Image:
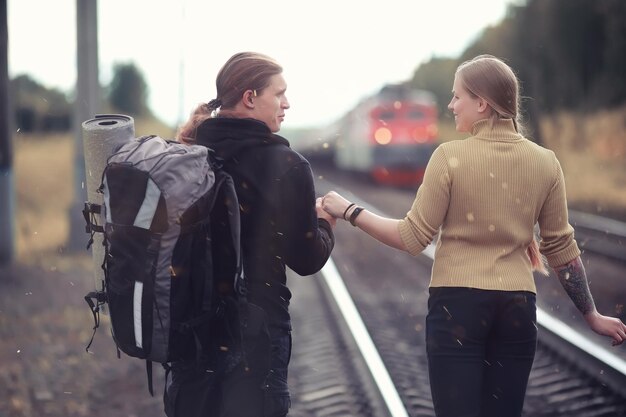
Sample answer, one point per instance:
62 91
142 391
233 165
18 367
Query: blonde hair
491 79
537 260
243 71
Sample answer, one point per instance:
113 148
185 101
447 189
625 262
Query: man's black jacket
279 225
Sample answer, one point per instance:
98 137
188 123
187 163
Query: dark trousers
481 345
257 390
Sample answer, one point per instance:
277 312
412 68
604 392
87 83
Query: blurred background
157 65
156 60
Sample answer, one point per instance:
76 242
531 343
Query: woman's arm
417 230
380 228
573 278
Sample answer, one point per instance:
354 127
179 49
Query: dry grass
592 152
153 127
44 186
447 131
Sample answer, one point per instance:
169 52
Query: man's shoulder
284 156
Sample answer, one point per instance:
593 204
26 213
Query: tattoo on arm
574 280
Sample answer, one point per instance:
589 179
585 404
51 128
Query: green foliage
38 108
436 76
568 54
128 91
567 59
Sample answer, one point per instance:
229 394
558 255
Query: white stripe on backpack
149 206
137 313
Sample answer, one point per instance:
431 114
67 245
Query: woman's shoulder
470 149
454 146
538 149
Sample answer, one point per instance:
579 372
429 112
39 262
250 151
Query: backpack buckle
89 211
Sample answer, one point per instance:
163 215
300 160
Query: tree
437 76
568 54
38 108
128 91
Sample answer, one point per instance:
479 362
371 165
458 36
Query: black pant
257 390
481 345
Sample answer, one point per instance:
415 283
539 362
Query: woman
483 196
282 225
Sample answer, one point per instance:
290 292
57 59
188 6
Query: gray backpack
168 279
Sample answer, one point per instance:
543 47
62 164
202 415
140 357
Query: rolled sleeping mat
102 136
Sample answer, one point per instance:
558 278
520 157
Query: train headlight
382 135
418 135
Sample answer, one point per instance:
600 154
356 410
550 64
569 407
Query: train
389 136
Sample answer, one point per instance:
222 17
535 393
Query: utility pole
86 106
7 224
181 66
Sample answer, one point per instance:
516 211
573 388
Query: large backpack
167 280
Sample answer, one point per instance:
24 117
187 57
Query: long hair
537 260
243 71
491 79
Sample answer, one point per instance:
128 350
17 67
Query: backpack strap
235 231
227 184
224 183
149 373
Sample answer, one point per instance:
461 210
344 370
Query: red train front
389 136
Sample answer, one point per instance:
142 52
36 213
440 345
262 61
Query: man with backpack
282 225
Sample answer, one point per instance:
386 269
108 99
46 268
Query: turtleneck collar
502 130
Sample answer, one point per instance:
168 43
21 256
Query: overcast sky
334 52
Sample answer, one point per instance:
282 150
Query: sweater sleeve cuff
564 256
413 246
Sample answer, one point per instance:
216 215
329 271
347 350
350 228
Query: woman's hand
334 204
607 326
383 229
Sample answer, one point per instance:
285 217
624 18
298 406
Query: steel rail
600 235
363 340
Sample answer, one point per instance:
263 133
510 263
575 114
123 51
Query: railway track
572 374
600 235
328 374
331 375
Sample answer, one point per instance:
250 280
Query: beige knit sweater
484 195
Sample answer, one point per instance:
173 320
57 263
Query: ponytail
537 260
187 132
